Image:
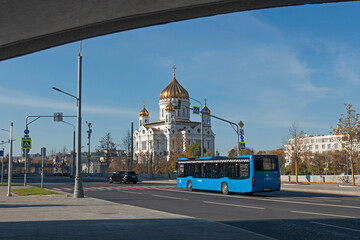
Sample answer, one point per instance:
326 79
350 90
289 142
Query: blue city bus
245 174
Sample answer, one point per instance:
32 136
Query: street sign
58 117
89 156
1 153
26 143
241 131
26 131
241 124
242 138
196 110
242 146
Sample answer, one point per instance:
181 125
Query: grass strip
34 191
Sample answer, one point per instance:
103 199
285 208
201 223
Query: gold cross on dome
205 101
144 103
174 68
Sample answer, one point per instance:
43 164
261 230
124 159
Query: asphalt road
280 215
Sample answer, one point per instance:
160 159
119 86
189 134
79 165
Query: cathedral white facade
174 130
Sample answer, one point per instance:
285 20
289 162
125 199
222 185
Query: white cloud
10 97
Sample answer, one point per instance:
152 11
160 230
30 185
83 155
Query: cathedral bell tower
143 116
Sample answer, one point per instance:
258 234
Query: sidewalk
63 217
325 188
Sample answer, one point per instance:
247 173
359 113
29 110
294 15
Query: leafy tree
107 146
349 127
295 147
208 154
193 150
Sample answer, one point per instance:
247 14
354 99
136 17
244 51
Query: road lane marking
162 196
329 225
132 192
233 205
323 214
265 199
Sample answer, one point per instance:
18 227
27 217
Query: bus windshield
266 163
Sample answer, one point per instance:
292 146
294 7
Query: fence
321 178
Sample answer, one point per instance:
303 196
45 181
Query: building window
150 144
184 112
310 147
336 146
140 122
143 145
316 146
157 144
167 118
208 121
178 113
323 146
329 146
137 146
162 112
305 148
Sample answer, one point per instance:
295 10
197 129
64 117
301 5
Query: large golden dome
144 112
174 90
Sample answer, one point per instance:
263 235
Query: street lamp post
78 188
201 126
2 162
89 135
73 153
10 159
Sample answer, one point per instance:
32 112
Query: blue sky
267 68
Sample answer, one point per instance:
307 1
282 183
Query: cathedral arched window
140 122
167 118
208 121
162 112
184 112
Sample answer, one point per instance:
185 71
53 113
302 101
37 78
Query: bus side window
197 170
181 170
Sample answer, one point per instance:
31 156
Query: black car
123 177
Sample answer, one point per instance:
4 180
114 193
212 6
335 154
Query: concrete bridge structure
28 26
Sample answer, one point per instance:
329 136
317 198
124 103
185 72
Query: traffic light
179 104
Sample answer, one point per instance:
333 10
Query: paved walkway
63 217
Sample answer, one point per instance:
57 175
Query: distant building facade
315 144
174 129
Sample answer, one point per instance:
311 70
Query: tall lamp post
89 135
201 126
10 159
78 188
2 161
73 154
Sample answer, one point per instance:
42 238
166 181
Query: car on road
125 176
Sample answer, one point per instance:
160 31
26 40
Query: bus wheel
224 189
189 186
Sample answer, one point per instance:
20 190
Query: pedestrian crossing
117 188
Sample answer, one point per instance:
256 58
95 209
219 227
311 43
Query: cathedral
174 130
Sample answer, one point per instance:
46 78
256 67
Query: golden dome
206 110
144 112
169 107
174 90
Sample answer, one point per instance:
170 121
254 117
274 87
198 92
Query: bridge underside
28 26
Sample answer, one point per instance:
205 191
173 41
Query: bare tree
295 146
349 127
107 146
126 145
